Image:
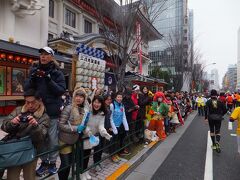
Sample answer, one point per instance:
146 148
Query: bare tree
120 35
180 57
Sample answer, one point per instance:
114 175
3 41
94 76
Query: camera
24 117
39 73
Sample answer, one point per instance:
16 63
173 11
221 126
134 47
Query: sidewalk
123 168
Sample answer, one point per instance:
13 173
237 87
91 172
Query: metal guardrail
77 151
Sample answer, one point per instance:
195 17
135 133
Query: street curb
141 156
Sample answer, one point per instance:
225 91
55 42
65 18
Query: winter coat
162 109
37 133
68 124
94 127
144 100
129 107
107 123
135 101
51 89
219 109
118 117
72 116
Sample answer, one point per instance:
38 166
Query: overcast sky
216 23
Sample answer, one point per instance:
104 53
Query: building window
87 26
70 18
101 31
51 8
50 36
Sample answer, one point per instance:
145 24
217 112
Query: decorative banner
82 48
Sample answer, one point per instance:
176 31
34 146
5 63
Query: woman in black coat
144 100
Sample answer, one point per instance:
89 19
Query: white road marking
230 126
233 134
208 174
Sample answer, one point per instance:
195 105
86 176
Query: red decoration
10 57
18 58
2 56
24 60
30 61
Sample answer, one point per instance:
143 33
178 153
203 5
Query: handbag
16 152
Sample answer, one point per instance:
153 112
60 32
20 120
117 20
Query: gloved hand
48 77
115 131
94 141
107 136
80 128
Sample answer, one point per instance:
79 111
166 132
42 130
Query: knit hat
79 91
136 87
213 92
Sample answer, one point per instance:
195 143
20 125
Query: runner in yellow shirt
236 116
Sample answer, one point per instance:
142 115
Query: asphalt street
187 158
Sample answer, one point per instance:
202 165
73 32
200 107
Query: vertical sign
139 45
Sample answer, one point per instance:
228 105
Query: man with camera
46 77
29 120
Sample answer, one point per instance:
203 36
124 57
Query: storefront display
90 67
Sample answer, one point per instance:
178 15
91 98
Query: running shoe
218 149
214 147
42 170
52 169
125 152
114 159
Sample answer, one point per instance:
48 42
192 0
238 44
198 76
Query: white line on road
233 134
230 126
208 174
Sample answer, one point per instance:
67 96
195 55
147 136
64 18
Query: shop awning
143 80
27 51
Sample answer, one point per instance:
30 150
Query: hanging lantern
30 61
10 57
17 58
3 56
24 60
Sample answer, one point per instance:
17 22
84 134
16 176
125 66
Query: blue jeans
52 142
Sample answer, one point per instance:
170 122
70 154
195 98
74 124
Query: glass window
50 36
51 8
87 26
70 18
2 80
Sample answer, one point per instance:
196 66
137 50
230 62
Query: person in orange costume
159 111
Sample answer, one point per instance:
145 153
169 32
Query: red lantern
24 60
3 56
10 57
17 58
30 61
